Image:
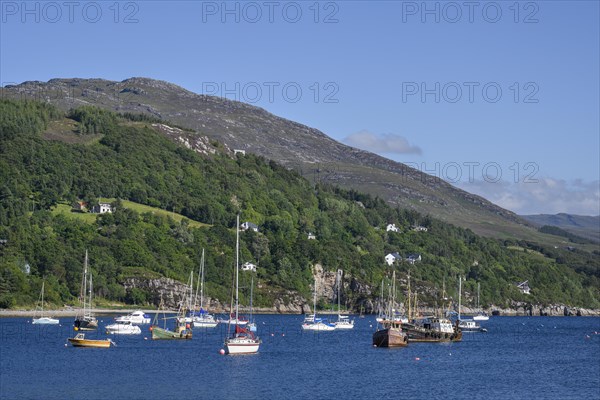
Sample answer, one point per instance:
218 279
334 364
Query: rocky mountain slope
581 225
311 152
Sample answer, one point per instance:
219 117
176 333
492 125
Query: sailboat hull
45 321
165 334
86 324
205 324
390 337
318 326
235 346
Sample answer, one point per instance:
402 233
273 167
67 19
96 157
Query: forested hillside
49 158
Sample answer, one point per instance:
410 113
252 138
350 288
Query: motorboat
468 325
344 322
137 317
123 328
80 341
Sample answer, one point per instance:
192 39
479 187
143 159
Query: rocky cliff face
356 297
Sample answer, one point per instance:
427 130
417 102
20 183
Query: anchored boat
80 341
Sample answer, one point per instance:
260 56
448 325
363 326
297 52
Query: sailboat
86 321
466 325
391 333
344 321
202 318
42 319
182 329
312 322
251 324
242 341
481 315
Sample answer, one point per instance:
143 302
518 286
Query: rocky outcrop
553 310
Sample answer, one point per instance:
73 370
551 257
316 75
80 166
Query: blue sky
499 98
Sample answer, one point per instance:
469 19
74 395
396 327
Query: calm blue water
520 357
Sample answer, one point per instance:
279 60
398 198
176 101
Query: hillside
311 152
129 157
581 225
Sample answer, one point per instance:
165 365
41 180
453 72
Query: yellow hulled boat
80 341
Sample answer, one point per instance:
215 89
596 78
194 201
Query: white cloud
546 196
383 143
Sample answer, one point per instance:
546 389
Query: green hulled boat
181 332
182 329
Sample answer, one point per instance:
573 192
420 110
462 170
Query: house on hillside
248 266
236 152
413 258
392 228
392 258
419 228
80 206
102 208
524 287
248 225
311 236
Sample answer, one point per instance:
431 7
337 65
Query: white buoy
222 352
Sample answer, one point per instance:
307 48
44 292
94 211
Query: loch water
518 358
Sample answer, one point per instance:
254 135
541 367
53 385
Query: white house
392 258
412 258
102 208
248 266
236 152
392 228
249 225
312 236
419 228
524 287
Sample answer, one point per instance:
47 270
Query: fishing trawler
391 333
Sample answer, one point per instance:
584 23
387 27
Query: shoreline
72 312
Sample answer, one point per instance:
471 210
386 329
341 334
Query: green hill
130 158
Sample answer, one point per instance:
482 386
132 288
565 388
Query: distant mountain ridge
311 152
581 225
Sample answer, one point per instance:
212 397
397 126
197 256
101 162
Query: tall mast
84 291
459 294
237 261
43 282
90 299
478 295
202 280
409 299
393 296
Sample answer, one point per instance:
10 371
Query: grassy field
90 218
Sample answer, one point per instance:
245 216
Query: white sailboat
86 321
312 322
202 318
344 321
242 341
43 320
481 315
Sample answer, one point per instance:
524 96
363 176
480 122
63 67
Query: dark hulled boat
391 335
